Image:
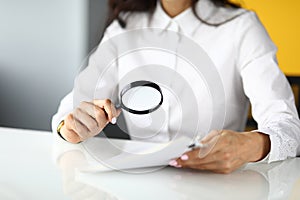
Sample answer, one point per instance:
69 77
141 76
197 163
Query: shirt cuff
279 150
265 159
274 154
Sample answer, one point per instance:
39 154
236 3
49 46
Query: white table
29 170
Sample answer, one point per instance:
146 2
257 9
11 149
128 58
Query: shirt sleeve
86 83
270 95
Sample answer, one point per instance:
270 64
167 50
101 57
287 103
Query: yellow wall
282 20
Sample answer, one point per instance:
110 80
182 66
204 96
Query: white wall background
42 44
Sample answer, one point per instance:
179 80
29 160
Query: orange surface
282 20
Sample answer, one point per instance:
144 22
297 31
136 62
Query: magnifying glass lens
141 98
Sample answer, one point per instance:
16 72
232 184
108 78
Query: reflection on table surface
255 181
32 169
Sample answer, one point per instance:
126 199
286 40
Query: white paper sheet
109 154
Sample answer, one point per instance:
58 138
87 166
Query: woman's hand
225 151
88 120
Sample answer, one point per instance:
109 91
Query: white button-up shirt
245 58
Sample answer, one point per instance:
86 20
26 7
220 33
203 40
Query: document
110 154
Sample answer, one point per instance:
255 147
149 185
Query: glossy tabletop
31 169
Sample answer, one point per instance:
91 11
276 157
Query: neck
175 7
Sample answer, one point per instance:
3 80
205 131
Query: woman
248 68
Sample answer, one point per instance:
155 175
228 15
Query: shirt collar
188 22
185 20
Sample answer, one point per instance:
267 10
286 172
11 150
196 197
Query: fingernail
184 157
173 163
114 120
178 166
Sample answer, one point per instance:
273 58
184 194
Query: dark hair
118 6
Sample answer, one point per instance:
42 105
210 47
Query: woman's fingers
73 124
191 158
210 152
101 111
89 119
81 129
109 108
220 162
89 107
86 119
221 156
68 132
207 166
205 154
95 112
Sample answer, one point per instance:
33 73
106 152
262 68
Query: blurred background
42 45
44 42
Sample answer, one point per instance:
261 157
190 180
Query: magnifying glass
140 97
